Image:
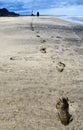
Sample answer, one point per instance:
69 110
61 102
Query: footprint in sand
62 107
37 32
38 35
58 37
32 28
60 66
43 50
16 58
43 41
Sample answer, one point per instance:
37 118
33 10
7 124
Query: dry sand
30 83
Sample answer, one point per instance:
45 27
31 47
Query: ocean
74 19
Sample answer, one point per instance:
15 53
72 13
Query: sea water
74 19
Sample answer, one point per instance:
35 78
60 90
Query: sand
30 83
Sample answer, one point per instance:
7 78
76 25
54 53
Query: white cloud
72 10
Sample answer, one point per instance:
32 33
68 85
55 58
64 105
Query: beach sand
30 83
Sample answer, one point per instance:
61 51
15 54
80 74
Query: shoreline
72 19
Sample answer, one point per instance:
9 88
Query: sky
45 7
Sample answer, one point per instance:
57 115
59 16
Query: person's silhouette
38 14
32 14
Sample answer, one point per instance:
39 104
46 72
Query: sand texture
41 59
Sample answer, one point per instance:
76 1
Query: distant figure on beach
32 14
38 14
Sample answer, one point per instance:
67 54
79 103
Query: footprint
38 35
15 58
43 50
37 32
58 37
32 28
62 107
43 41
60 66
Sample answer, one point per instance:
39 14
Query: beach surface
30 83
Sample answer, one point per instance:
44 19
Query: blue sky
50 7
